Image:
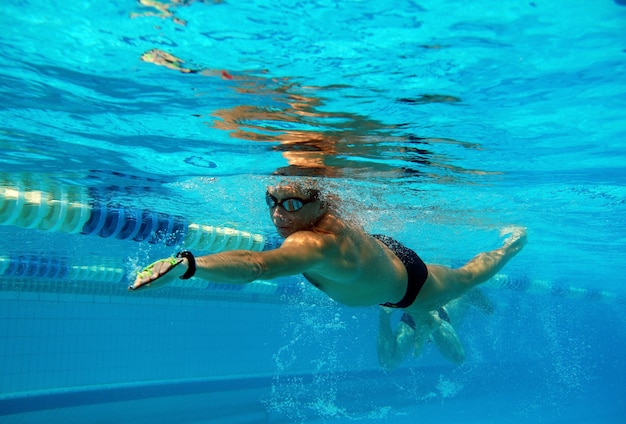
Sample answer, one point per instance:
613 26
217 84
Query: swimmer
340 259
395 347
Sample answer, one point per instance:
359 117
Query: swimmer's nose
277 216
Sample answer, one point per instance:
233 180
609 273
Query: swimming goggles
290 204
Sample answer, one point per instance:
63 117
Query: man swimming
339 258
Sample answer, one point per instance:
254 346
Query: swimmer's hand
159 274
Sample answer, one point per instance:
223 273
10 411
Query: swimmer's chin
284 231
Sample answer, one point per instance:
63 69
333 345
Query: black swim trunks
415 269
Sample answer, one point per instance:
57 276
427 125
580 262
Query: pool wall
60 340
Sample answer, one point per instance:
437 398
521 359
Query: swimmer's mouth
283 229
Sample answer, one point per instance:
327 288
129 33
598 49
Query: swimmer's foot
517 239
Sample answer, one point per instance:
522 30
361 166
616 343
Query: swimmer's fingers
155 274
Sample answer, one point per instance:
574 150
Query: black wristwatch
191 260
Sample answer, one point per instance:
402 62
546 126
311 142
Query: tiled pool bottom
101 357
365 396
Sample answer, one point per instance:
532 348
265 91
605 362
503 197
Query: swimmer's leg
485 265
448 343
393 348
444 284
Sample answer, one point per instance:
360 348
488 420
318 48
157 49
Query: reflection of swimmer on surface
168 60
162 58
163 10
313 141
339 258
394 348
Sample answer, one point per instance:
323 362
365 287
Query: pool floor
363 397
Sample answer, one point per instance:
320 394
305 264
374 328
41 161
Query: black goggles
290 204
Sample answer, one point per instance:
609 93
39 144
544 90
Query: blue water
437 122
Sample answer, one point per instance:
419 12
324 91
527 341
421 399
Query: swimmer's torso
357 270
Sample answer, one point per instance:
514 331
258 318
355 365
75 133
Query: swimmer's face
292 209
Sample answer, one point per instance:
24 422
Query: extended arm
298 254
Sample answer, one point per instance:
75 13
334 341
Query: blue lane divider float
540 287
71 209
41 267
133 224
44 268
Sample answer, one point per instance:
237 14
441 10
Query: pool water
132 129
